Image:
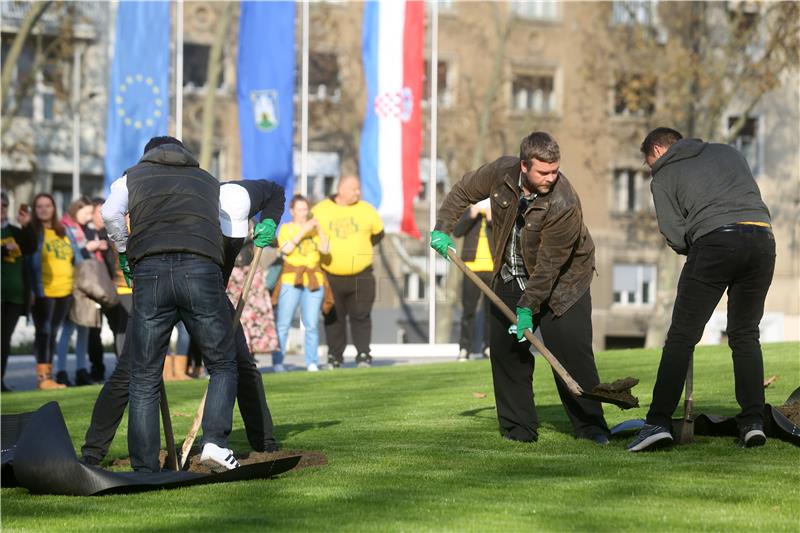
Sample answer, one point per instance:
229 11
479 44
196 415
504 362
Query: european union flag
138 104
265 90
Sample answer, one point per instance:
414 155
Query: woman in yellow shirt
301 242
51 269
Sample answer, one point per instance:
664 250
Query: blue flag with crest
138 103
265 91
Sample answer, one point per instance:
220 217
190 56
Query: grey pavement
21 371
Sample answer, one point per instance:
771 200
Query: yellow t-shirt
57 269
350 229
305 254
483 256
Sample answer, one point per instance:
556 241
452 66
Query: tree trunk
214 68
445 312
36 11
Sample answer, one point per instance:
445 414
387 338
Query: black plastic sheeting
776 425
38 455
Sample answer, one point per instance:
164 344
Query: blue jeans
81 344
310 302
168 287
182 344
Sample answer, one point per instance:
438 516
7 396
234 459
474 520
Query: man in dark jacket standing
239 202
176 253
709 208
543 265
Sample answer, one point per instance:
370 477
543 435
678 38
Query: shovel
616 398
686 435
198 417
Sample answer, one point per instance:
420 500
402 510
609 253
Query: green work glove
264 233
126 270
441 242
524 321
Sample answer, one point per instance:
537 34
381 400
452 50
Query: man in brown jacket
543 265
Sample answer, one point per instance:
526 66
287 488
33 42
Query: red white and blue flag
393 40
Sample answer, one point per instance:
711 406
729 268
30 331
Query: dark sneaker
63 379
651 438
334 362
463 355
363 360
82 378
89 460
752 436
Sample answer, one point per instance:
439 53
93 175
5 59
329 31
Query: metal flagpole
76 122
179 69
304 107
432 174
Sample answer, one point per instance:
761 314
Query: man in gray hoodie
709 208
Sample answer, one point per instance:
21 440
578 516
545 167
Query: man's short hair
539 145
158 141
663 137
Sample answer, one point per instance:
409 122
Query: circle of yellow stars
124 88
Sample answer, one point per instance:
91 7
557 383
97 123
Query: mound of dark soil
309 459
791 411
619 390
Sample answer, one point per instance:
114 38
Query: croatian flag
393 43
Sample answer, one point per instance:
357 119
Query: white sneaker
463 355
219 459
312 368
278 368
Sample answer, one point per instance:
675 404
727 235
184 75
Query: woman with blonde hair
302 282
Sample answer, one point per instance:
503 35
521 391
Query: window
33 94
424 179
634 284
414 286
631 13
195 67
533 93
323 76
444 96
635 95
538 9
746 141
631 190
323 174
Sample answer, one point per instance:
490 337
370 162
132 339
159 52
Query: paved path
21 371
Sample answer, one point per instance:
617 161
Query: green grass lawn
411 448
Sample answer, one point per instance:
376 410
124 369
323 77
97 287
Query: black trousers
569 338
9 316
48 316
117 318
743 263
353 298
470 297
113 399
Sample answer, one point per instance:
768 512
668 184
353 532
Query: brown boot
169 371
45 374
180 362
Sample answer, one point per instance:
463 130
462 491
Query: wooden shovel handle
571 384
198 416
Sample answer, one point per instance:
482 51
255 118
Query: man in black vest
176 253
239 202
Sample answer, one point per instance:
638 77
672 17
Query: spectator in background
353 228
50 270
96 235
258 319
302 282
79 213
14 283
476 228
